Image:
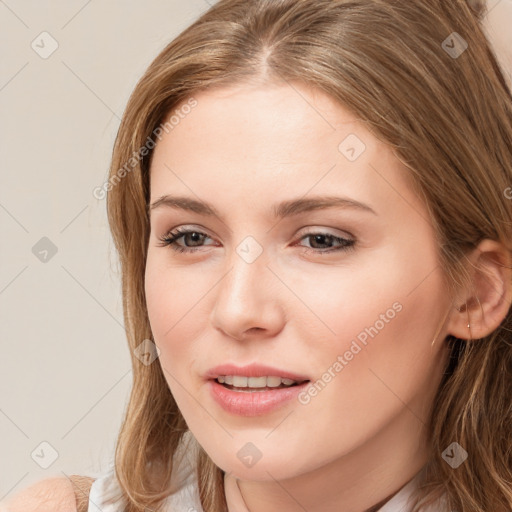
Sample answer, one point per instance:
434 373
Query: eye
172 237
197 238
322 238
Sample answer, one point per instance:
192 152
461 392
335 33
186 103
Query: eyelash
171 237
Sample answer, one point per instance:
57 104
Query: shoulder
48 495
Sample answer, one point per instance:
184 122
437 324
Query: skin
48 495
362 437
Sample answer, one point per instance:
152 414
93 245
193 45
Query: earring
464 307
469 328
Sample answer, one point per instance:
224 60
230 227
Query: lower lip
253 403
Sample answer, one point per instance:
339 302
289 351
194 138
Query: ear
487 303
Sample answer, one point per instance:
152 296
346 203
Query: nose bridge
244 300
247 274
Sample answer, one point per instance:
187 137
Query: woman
311 204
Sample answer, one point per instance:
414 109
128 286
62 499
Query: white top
186 499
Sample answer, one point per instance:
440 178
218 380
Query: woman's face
347 297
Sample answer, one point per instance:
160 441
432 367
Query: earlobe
483 308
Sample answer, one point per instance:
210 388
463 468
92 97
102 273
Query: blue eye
171 238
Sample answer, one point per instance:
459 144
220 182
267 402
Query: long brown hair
447 116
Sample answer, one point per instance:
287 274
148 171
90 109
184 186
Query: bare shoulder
49 495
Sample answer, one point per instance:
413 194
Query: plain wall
65 370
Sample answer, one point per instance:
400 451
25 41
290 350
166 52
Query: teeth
273 382
239 381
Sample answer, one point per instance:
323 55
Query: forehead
258 142
271 118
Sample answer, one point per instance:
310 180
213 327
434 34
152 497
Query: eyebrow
280 210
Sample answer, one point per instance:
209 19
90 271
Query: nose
248 300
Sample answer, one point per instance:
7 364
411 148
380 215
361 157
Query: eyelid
338 233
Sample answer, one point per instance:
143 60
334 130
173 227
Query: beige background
65 369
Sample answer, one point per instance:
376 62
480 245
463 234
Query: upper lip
253 370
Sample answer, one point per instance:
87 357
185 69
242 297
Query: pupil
320 239
195 236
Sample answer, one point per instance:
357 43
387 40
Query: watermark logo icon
146 352
455 455
44 250
44 45
454 45
249 249
249 454
352 147
44 455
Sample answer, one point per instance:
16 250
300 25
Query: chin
266 469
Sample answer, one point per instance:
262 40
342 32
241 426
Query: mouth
247 384
254 389
254 396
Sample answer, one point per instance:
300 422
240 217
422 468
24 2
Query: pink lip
253 370
252 403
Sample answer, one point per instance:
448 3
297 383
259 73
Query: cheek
373 328
382 356
176 301
173 295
